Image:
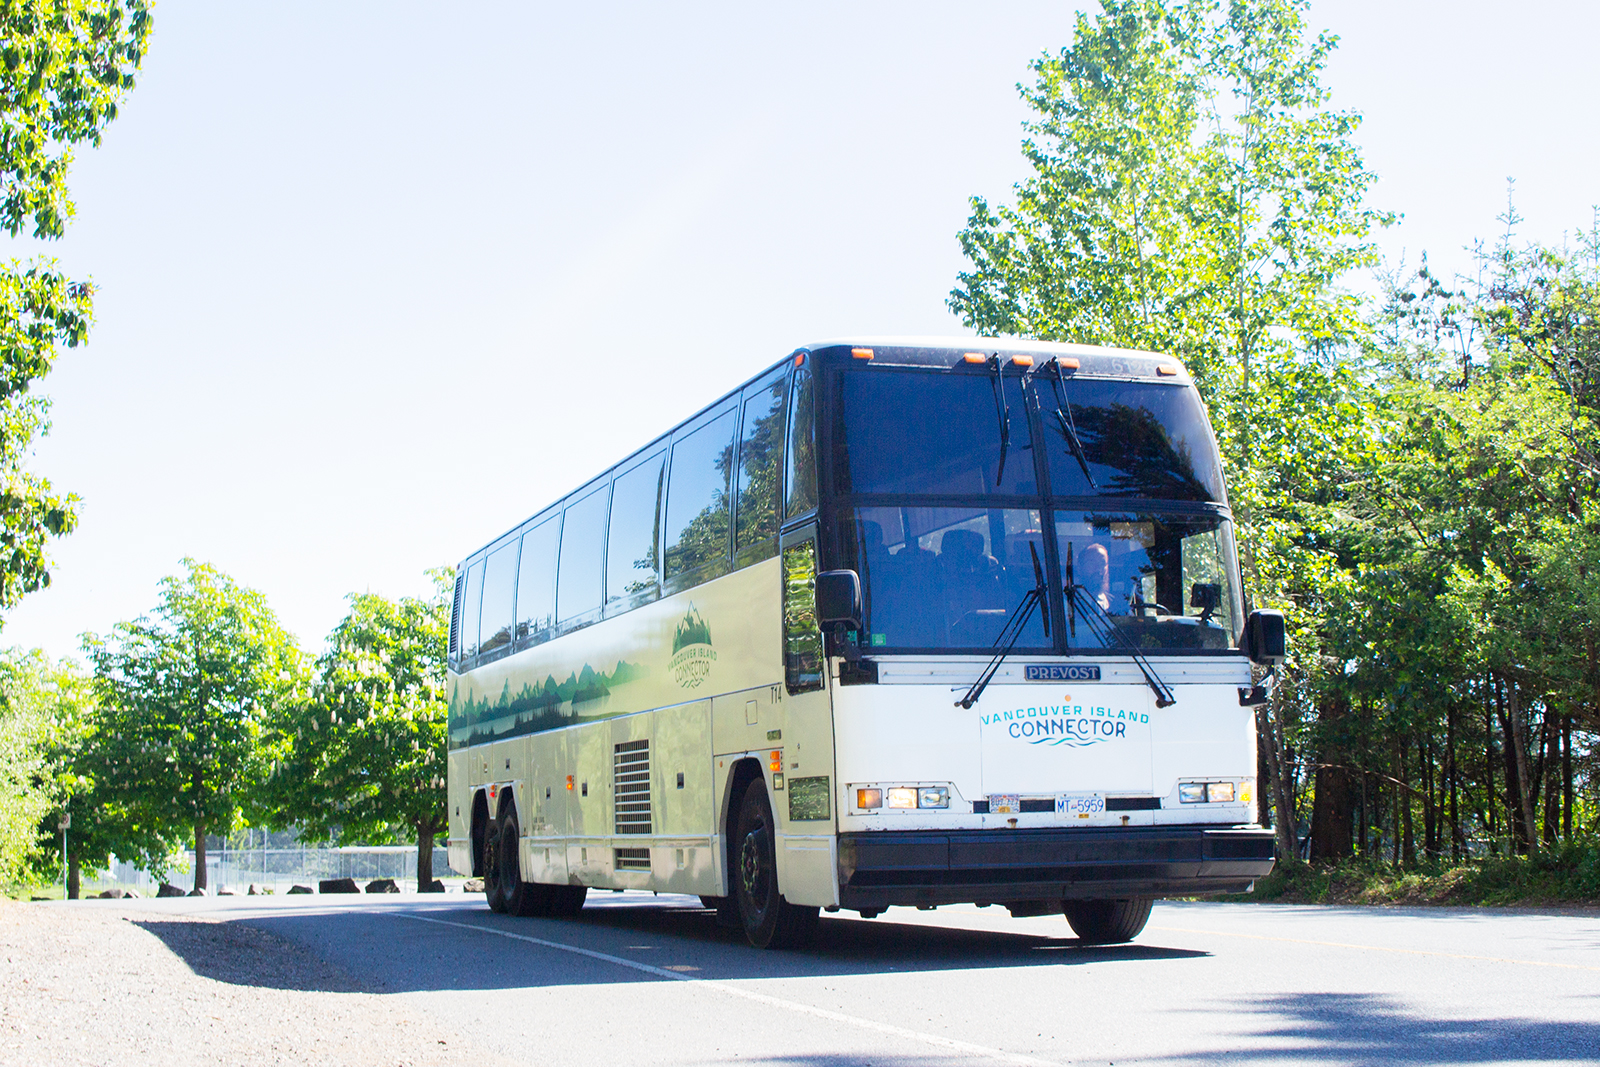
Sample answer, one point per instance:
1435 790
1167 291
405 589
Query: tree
366 754
64 67
183 698
1194 193
28 791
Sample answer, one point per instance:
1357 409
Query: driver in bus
1093 571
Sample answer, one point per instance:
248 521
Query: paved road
640 979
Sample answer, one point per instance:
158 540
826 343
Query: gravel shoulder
82 986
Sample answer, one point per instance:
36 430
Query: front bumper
880 868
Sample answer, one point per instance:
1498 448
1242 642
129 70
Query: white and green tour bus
897 622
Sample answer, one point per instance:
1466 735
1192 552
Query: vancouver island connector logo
692 654
1072 725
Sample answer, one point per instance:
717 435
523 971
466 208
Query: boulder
338 885
169 890
296 889
434 886
112 894
198 891
472 885
225 892
251 891
382 885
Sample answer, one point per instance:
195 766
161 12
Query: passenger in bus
1093 573
895 586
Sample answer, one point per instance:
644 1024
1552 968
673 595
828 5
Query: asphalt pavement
640 979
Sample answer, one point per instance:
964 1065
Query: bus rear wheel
769 921
516 896
1107 922
490 865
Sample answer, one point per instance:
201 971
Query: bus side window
760 471
802 638
698 493
499 593
583 540
631 562
802 459
536 582
470 606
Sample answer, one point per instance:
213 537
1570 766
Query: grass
1569 874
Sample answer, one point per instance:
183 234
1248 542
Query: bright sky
377 280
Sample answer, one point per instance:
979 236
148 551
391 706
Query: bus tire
769 921
566 900
516 896
1107 922
491 868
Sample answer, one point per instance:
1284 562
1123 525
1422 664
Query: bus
899 621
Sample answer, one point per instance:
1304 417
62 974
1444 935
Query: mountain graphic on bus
692 630
692 654
535 707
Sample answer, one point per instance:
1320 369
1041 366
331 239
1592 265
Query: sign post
63 825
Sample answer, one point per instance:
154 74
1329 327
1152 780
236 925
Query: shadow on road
388 952
1374 1028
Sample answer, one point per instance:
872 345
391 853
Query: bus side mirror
839 598
1265 639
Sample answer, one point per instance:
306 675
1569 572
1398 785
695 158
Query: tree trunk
425 858
1566 777
1455 799
200 855
1488 762
1519 744
1552 770
1402 797
1283 788
1333 806
1264 767
74 876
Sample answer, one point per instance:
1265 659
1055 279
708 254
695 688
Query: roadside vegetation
1567 875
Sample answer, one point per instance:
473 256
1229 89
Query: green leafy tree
28 791
65 65
365 756
183 699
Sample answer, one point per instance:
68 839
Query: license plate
1080 805
1004 803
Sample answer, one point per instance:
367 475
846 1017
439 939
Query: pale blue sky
379 279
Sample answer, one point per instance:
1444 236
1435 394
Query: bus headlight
1192 792
1220 792
933 797
902 797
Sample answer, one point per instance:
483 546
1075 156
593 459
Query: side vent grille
630 777
455 616
632 859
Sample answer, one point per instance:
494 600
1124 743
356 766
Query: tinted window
499 589
760 469
802 459
536 579
1162 581
697 497
802 639
931 432
631 562
944 577
1139 439
583 537
471 602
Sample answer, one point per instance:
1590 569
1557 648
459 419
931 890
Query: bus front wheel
1107 922
769 921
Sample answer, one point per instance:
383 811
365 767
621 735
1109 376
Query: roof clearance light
1220 792
861 353
869 799
799 359
1166 370
903 797
975 357
1022 361
1070 363
1192 792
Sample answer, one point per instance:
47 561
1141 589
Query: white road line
948 1044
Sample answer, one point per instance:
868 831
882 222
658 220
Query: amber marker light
569 782
1070 363
799 359
775 762
1022 361
1166 370
861 353
869 799
975 357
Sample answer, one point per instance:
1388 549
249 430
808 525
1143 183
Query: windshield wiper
1003 410
1099 622
1033 598
1069 428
